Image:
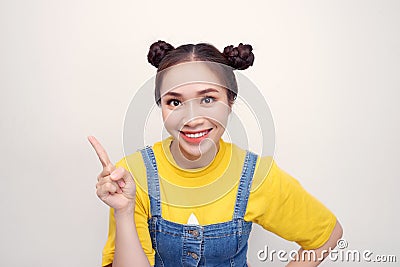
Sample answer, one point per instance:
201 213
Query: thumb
120 173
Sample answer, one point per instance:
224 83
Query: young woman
191 199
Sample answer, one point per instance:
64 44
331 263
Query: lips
195 136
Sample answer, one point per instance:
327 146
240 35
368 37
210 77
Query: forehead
190 74
191 90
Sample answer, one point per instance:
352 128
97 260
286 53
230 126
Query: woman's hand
115 186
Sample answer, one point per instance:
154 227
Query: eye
208 99
173 102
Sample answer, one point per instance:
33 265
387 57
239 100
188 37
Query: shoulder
269 176
265 167
135 164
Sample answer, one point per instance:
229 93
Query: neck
188 161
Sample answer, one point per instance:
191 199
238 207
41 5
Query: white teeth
196 135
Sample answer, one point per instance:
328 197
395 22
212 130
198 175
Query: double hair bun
157 52
240 57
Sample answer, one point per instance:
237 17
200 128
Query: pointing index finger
101 152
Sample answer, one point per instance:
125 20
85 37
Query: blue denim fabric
219 244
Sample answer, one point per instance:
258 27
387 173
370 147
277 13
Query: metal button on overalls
194 255
194 232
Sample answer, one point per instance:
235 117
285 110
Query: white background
68 69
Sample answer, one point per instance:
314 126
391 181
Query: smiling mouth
195 137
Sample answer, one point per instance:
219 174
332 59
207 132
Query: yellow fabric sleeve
141 217
281 205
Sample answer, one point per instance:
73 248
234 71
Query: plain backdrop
329 71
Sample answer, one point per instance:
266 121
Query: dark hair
162 55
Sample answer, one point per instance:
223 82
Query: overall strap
245 184
153 183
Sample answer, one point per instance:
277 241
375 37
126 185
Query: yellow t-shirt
277 201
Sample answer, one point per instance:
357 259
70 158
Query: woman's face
196 113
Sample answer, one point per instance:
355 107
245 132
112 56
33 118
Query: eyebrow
208 90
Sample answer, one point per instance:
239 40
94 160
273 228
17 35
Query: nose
192 115
193 123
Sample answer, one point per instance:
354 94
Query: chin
194 151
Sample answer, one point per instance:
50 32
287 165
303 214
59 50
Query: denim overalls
220 244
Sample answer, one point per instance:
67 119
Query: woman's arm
320 252
116 187
128 250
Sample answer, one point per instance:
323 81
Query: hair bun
240 57
157 52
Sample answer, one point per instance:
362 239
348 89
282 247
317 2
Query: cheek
170 119
164 113
222 119
219 114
